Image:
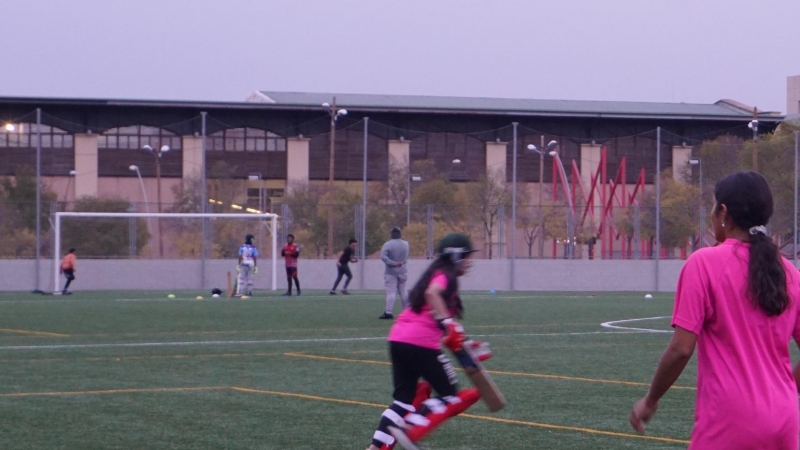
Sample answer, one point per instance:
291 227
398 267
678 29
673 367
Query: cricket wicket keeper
290 253
415 349
248 266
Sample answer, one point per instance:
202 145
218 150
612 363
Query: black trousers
70 274
343 270
411 362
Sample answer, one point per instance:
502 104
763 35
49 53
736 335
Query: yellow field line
33 333
496 372
578 429
138 358
109 391
305 396
472 416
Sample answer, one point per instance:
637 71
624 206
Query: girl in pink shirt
738 303
415 349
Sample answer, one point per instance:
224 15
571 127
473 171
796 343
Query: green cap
455 243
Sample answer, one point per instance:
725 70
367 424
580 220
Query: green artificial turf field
136 370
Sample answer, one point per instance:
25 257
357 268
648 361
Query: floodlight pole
513 204
796 139
275 252
39 197
364 204
203 199
541 192
332 113
658 204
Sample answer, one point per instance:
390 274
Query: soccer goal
161 251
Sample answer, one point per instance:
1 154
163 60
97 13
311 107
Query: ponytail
766 277
749 201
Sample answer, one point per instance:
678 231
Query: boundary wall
184 274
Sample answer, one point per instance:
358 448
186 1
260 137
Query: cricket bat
480 378
231 286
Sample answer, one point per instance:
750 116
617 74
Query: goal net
162 251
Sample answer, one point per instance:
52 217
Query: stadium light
699 163
72 174
456 161
411 178
10 127
164 148
134 168
330 108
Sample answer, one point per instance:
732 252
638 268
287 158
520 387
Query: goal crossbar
273 228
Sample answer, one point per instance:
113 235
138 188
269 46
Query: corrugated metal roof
721 110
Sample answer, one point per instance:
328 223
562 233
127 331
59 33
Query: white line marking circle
612 325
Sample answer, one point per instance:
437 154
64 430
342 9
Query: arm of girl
673 361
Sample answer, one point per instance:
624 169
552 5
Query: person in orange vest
68 269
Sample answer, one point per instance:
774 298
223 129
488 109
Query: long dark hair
445 265
749 201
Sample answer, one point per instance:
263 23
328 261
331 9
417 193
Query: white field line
613 325
270 341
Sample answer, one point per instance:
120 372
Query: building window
137 136
246 140
23 135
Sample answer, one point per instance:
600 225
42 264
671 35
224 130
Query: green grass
212 392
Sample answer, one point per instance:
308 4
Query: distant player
395 257
68 269
343 266
248 266
290 253
415 349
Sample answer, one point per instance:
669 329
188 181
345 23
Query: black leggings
342 270
411 362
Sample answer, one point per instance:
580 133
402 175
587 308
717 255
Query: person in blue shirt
248 266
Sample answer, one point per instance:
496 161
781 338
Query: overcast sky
639 50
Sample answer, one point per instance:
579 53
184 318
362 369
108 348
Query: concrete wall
793 94
531 275
297 161
85 165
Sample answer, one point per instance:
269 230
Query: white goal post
272 227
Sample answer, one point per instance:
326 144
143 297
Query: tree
226 235
309 205
487 194
680 206
528 219
101 237
775 156
18 214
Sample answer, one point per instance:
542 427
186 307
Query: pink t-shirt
746 393
419 329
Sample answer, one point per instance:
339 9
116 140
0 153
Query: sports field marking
471 416
140 358
297 330
109 391
493 372
613 325
32 333
181 344
271 341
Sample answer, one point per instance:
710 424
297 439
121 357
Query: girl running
739 303
415 349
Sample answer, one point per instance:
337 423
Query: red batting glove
453 335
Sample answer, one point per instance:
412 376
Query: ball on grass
244 297
492 292
199 297
648 296
171 296
215 296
